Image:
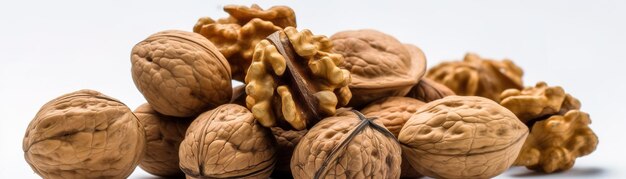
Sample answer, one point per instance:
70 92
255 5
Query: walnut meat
286 143
163 137
393 112
538 101
380 65
237 35
475 76
427 90
462 137
227 142
347 145
294 81
180 73
84 134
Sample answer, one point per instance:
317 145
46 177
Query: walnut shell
476 76
555 143
462 137
294 81
84 134
393 112
538 101
380 65
163 137
180 73
227 142
286 143
237 35
347 145
427 90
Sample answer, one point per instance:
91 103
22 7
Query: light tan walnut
227 142
180 73
476 76
427 90
287 141
538 101
347 145
163 137
393 112
381 66
84 134
294 81
462 137
555 143
237 35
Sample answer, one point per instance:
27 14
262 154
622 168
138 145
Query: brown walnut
462 137
538 101
380 65
237 35
84 134
163 137
227 142
180 73
476 76
286 143
294 81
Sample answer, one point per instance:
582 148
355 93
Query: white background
49 48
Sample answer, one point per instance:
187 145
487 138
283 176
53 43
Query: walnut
180 73
462 137
538 101
287 141
555 143
237 35
227 142
393 112
347 145
294 80
380 65
427 90
475 76
84 134
163 136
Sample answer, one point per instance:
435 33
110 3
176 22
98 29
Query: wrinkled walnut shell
538 101
294 81
237 35
476 76
347 145
84 134
227 142
393 112
380 65
286 143
462 137
163 137
427 90
555 143
180 73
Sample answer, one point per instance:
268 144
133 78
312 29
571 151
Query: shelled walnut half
476 76
294 81
237 35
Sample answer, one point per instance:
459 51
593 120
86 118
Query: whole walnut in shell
476 76
294 81
163 137
347 145
427 90
462 137
237 35
286 143
227 142
380 65
180 73
84 134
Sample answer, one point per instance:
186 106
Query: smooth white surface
49 48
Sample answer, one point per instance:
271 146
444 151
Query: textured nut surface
294 81
393 112
237 35
163 137
380 65
427 90
227 142
462 137
180 73
330 149
538 101
555 143
84 134
476 76
286 143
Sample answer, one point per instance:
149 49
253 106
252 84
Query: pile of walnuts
357 104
